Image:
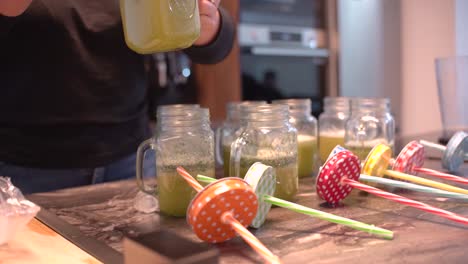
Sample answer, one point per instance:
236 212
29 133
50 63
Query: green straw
387 234
413 187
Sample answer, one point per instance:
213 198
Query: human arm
13 8
9 10
216 37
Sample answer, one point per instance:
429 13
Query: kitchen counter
104 214
37 243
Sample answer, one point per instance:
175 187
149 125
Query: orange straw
197 186
227 218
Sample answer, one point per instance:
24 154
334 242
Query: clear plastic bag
15 210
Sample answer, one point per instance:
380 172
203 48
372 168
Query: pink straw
406 201
442 175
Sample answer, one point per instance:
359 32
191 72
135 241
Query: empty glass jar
183 138
300 117
332 124
371 123
268 137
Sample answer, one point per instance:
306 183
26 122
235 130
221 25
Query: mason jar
332 124
159 26
173 109
226 133
268 137
301 118
371 123
183 138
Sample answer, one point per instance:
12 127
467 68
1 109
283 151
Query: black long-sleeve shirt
72 94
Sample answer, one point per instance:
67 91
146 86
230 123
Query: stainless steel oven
283 50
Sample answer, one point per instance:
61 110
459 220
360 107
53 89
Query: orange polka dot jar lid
228 195
223 209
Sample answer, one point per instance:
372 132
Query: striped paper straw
229 219
190 180
442 175
412 187
422 181
405 201
387 234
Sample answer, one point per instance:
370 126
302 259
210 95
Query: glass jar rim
234 108
267 112
297 106
337 104
370 103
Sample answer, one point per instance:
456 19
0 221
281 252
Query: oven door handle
296 52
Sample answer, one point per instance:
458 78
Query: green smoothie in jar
287 183
174 192
307 150
226 159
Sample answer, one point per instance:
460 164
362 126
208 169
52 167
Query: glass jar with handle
268 137
158 26
300 117
226 133
183 137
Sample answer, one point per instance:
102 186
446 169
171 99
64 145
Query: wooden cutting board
37 243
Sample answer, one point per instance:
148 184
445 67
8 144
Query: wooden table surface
105 213
98 217
39 244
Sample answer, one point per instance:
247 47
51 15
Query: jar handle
144 146
219 158
236 152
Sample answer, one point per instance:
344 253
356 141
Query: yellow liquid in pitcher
327 144
174 192
158 26
306 155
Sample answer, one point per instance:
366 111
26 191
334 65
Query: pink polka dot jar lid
410 157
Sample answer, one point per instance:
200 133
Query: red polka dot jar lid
226 195
410 157
329 186
336 149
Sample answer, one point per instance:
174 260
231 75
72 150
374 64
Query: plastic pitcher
158 26
452 86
